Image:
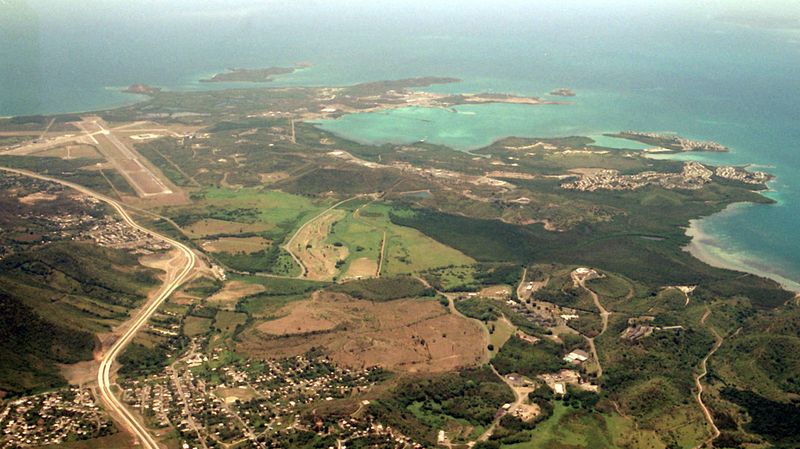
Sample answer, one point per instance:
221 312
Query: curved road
603 316
288 245
125 417
699 384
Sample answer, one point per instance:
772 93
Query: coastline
704 247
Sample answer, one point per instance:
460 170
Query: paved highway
124 416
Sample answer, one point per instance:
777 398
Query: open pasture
411 335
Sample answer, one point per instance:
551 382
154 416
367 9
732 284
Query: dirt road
699 384
604 317
518 399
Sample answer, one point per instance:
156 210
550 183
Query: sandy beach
706 248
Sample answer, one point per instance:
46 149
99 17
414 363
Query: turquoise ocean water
721 72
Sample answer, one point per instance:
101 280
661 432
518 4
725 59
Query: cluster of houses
208 399
52 418
348 431
693 176
112 233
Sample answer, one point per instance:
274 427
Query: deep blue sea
721 71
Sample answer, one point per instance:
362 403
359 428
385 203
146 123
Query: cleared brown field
232 292
230 395
236 244
37 197
211 226
408 335
363 267
271 178
497 291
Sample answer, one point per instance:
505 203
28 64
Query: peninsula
671 142
239 75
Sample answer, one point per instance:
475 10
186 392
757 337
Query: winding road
699 384
603 316
172 282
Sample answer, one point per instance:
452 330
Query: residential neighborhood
52 418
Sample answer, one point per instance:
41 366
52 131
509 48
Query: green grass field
226 321
248 212
273 207
194 326
406 250
570 428
502 330
452 279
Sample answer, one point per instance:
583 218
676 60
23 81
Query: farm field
194 326
276 211
243 229
210 227
236 244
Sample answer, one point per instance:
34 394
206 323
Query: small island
239 75
142 89
562 92
671 142
483 98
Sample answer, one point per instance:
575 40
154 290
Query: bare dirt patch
81 373
363 267
526 411
270 178
160 261
211 226
496 292
37 197
586 171
231 395
314 315
509 175
236 245
409 335
233 291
